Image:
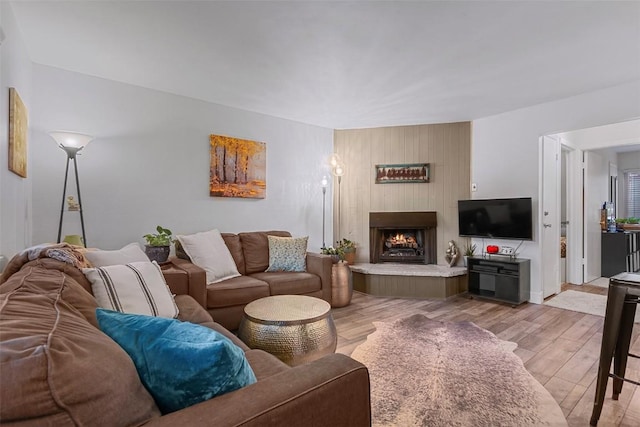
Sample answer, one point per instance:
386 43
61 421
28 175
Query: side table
622 299
295 328
341 284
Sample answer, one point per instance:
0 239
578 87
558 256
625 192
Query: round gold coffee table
294 328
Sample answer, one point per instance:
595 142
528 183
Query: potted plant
469 250
348 249
158 245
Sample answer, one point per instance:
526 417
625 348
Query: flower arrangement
343 249
336 253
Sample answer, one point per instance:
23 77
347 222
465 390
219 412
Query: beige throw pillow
135 288
208 251
130 253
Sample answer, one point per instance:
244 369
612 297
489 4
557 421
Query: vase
341 284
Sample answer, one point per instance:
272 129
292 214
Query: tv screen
496 218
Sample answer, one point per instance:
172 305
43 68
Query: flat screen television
496 218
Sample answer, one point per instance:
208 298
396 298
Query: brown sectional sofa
225 300
59 369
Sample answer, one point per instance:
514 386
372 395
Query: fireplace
402 237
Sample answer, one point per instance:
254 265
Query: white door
550 216
596 193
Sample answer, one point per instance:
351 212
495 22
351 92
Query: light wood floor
560 348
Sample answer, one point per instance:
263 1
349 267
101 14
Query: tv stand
506 280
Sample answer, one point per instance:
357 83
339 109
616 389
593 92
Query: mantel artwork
17 134
402 173
238 168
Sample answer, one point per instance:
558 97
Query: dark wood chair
622 300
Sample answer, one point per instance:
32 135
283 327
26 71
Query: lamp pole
338 171
324 183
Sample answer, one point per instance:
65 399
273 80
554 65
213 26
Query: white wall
628 160
15 191
149 164
515 136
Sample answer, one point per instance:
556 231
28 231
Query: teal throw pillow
287 253
180 363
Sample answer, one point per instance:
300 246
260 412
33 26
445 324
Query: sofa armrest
320 265
331 391
197 288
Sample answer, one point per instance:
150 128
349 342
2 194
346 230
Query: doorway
580 164
561 210
564 212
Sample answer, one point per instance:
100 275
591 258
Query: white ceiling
623 137
345 64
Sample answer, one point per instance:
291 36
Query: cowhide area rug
429 373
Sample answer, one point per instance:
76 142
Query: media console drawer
506 280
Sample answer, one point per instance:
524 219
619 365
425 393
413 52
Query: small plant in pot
158 245
469 250
349 250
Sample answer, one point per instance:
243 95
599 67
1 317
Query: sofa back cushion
235 247
255 247
58 369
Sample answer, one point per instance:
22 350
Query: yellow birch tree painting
238 167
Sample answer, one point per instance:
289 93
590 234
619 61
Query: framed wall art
238 167
17 134
402 173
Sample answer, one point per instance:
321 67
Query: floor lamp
324 183
71 143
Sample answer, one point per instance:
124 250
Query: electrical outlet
474 187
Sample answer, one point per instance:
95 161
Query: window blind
633 193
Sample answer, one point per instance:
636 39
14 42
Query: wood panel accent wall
446 147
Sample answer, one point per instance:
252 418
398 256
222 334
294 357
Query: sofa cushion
180 363
290 283
129 253
61 369
208 251
236 291
137 287
255 248
287 253
235 248
191 311
264 364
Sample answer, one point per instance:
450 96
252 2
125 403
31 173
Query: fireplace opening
403 243
402 237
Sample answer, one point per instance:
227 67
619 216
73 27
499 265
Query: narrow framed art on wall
402 173
17 134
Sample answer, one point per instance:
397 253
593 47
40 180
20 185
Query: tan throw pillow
287 253
208 251
130 253
135 288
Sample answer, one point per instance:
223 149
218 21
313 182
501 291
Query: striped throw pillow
135 288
